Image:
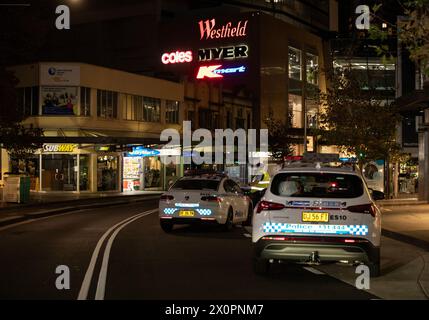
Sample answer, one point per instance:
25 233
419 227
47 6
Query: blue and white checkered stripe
169 210
357 230
204 212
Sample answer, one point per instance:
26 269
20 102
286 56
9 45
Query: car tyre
166 226
248 221
261 266
229 221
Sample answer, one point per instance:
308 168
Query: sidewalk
47 204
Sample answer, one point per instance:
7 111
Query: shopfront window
133 174
152 173
107 173
312 113
30 167
312 69
59 172
84 165
295 63
151 109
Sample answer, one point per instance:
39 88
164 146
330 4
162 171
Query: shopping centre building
101 128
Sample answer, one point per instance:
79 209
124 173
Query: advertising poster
60 100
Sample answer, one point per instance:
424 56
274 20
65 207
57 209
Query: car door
241 202
230 196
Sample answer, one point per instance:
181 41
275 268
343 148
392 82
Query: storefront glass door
59 172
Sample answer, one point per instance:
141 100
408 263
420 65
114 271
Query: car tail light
364 208
167 197
211 198
266 205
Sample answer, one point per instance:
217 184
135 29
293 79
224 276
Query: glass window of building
295 63
107 104
132 107
107 173
172 111
151 109
84 177
312 69
312 113
28 100
295 105
85 101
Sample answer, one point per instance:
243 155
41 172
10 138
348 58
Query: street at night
229 158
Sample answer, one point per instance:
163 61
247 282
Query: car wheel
260 265
248 221
166 226
229 221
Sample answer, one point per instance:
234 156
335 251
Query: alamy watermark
226 146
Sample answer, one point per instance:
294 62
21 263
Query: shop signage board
64 147
59 75
142 152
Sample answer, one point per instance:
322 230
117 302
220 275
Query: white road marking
313 270
83 293
101 285
247 235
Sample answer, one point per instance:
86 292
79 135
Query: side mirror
377 195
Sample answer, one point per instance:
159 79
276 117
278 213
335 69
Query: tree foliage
412 32
355 119
279 137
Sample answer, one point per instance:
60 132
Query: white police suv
211 198
312 213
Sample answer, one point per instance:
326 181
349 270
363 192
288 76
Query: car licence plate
315 217
187 213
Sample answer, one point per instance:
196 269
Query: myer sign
60 75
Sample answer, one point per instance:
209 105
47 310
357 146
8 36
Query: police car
314 213
209 198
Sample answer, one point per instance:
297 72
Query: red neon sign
176 57
208 29
208 71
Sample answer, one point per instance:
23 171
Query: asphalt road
137 260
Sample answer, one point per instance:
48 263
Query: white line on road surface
101 285
247 235
84 289
312 270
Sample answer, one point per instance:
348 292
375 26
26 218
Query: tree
279 138
353 119
412 31
22 34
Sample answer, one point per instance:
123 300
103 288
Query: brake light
363 208
211 198
167 197
266 205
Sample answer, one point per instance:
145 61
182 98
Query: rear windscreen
319 185
195 184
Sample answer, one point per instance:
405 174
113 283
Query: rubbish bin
16 188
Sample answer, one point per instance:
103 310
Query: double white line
101 284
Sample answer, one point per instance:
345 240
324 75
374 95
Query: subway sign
59 147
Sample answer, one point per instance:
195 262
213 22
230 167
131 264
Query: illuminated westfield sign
176 57
216 72
208 29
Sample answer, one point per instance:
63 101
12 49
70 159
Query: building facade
101 128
